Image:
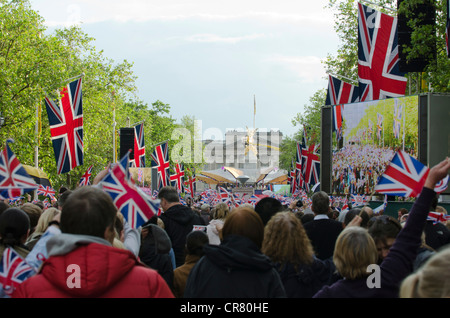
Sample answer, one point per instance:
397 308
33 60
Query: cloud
309 69
214 38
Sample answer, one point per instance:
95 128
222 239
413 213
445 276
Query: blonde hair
45 218
221 211
286 241
355 249
432 280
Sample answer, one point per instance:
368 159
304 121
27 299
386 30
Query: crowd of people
83 247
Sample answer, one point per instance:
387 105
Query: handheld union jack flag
13 271
136 206
86 177
160 160
139 146
14 180
66 127
340 92
177 179
46 191
359 200
378 61
405 176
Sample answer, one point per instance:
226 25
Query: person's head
384 229
354 212
14 227
221 211
89 211
63 198
320 202
368 210
34 213
169 197
401 212
244 222
354 251
267 207
432 280
3 206
195 241
205 208
286 241
46 217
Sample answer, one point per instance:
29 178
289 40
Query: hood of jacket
237 253
89 260
179 213
158 238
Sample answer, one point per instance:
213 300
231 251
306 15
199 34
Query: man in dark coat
322 231
178 221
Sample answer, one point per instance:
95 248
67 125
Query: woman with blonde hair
355 253
432 280
288 246
214 227
43 222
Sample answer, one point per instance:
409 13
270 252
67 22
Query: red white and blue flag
177 179
139 146
14 180
136 206
359 200
310 164
13 271
378 61
340 92
86 177
160 160
405 176
46 191
66 127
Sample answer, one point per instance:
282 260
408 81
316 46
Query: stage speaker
425 12
126 142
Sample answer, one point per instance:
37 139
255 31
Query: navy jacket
234 269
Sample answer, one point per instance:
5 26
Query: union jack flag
177 179
337 120
359 200
136 206
190 183
66 127
224 194
46 191
397 126
379 125
86 177
310 164
442 185
160 160
14 180
340 92
405 176
13 271
378 60
139 146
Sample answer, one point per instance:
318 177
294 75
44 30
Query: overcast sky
209 58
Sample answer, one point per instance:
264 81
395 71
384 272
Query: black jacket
178 222
323 234
234 269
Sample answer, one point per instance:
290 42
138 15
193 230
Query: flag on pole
177 179
378 61
160 160
66 127
340 92
14 180
136 206
139 146
337 120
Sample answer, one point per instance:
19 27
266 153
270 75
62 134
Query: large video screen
371 134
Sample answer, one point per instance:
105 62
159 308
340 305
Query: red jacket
105 271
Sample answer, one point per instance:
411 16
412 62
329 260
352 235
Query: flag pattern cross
177 179
139 146
86 177
66 127
378 60
46 191
136 206
404 176
13 271
340 92
14 180
160 160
